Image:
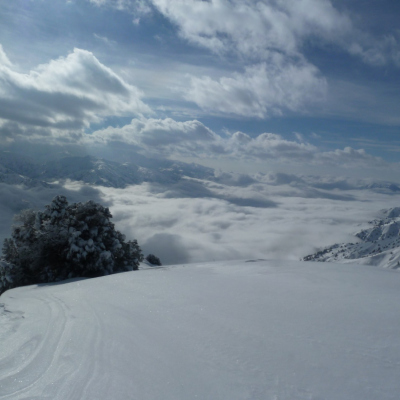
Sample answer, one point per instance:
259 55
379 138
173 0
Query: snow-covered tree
152 259
8 276
66 241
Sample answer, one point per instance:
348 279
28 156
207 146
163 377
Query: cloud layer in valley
282 222
185 213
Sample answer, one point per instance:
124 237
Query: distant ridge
15 169
378 245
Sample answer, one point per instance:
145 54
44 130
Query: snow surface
274 330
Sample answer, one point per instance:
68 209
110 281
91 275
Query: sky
309 86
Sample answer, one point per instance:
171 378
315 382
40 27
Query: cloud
277 216
351 157
135 7
196 188
269 146
263 90
162 136
376 51
190 229
253 29
192 139
269 47
4 61
169 248
104 39
66 94
268 39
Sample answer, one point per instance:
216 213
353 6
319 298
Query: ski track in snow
45 362
258 330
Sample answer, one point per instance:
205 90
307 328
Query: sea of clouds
196 220
231 216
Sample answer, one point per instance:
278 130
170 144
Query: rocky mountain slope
377 245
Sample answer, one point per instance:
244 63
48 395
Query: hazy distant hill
15 169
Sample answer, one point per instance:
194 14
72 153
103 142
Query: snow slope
231 330
377 245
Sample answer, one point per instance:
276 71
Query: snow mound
237 330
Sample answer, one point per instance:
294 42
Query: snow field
275 330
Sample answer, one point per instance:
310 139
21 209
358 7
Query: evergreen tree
152 259
65 241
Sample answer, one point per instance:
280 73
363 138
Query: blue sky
297 85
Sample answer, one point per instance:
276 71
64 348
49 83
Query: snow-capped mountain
377 245
19 164
11 177
329 182
103 172
15 169
92 170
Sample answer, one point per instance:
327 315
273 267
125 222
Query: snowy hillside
377 245
17 169
240 330
10 177
19 164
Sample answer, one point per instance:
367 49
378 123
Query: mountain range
379 244
16 169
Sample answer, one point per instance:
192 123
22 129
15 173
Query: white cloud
162 136
4 61
375 51
192 139
262 90
349 156
105 39
254 29
68 93
266 39
136 7
204 228
270 145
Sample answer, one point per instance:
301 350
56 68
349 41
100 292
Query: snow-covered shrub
152 259
66 241
8 276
